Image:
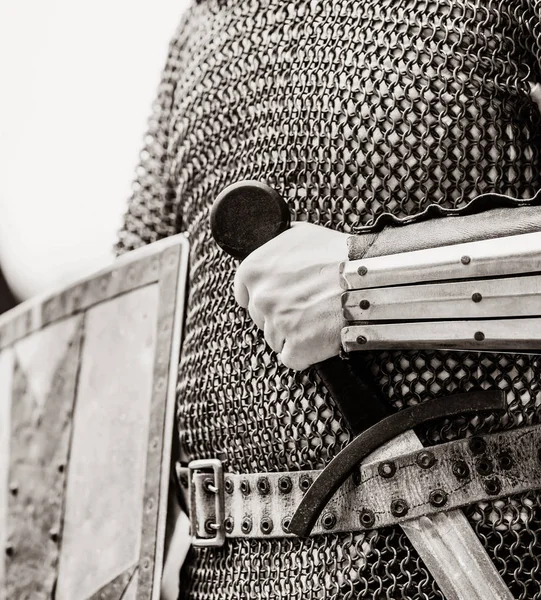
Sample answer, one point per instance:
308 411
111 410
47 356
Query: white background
77 81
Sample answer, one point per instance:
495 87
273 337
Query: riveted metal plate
86 420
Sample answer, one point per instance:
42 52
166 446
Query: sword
245 216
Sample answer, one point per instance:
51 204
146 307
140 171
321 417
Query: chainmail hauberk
349 109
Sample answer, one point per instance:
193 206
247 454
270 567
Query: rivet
505 461
61 468
229 524
150 504
438 498
210 526
361 340
266 525
387 469
244 487
228 485
399 507
477 445
364 304
362 271
246 525
477 297
328 520
484 466
263 486
208 485
479 336
305 482
14 489
285 485
426 459
146 563
492 486
367 518
286 522
465 260
9 551
53 535
461 469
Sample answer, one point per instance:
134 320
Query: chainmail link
349 109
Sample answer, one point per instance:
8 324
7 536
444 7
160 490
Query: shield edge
164 263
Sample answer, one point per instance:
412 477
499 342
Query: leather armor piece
426 482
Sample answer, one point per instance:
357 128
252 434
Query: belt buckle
215 487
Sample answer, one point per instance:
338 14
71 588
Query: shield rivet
479 336
364 304
328 520
266 525
9 551
305 482
460 469
263 486
361 340
484 466
367 518
228 524
493 486
246 525
465 260
426 459
505 461
285 485
362 271
387 469
438 498
477 445
477 297
399 507
14 489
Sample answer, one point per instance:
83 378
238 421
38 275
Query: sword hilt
247 215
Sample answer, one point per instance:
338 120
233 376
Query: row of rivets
478 336
285 485
362 270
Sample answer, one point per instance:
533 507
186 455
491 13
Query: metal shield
87 391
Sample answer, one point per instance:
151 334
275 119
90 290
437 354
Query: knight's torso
349 109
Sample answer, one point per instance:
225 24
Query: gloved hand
291 288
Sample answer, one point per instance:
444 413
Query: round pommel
247 215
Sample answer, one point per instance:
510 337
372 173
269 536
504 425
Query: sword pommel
246 215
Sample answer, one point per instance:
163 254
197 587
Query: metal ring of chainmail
349 109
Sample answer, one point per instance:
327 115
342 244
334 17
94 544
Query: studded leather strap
433 480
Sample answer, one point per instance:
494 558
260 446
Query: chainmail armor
349 109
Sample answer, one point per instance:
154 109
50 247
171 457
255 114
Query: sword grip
247 215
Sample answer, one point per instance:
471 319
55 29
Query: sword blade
447 543
487 258
475 299
515 335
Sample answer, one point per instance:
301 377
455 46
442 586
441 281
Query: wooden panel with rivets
86 422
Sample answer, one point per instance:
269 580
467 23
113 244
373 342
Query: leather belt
428 481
